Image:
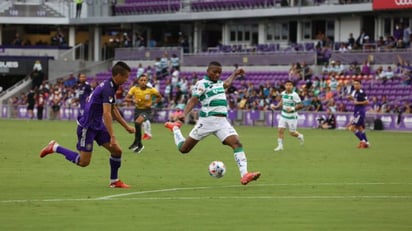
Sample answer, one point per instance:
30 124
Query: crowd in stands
325 90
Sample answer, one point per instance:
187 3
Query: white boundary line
326 197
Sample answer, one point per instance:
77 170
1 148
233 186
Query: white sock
147 127
55 147
280 142
240 158
179 139
300 136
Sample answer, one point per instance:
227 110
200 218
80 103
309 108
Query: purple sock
364 136
69 154
359 135
115 163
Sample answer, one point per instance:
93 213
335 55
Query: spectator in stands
374 105
164 64
175 62
407 78
360 41
18 41
387 74
55 103
70 81
37 77
316 104
79 4
139 42
343 48
37 65
347 88
341 107
390 43
307 71
384 105
40 102
366 70
113 7
380 43
13 103
331 105
398 33
407 35
140 70
126 40
31 101
351 42
177 113
329 121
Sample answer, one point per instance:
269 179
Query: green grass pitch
327 184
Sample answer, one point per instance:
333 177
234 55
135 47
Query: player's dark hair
289 81
214 63
120 68
142 75
357 80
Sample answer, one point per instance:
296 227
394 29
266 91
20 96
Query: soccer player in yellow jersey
142 96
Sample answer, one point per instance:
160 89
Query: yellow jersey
143 99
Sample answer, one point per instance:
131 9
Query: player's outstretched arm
232 77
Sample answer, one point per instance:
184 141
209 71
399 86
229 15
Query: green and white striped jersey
212 97
289 100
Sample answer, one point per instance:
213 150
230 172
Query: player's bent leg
85 158
187 145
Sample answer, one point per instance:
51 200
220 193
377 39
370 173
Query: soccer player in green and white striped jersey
289 104
210 92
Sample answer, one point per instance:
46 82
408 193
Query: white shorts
218 126
292 124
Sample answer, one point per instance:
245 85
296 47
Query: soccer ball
217 169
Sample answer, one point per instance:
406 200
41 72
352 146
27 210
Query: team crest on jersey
111 100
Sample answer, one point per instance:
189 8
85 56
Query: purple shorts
358 120
85 138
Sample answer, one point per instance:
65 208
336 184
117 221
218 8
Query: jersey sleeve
199 89
108 96
296 98
131 91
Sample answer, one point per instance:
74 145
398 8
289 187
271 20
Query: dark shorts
85 138
358 120
56 108
30 107
146 113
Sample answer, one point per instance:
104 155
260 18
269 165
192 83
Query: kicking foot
248 177
171 125
48 149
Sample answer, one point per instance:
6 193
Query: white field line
324 197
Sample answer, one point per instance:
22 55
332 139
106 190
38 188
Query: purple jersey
83 91
359 96
359 111
93 109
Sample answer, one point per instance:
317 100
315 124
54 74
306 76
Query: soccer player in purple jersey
357 125
96 125
83 90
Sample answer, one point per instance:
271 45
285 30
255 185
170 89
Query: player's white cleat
278 148
301 140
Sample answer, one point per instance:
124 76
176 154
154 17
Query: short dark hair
120 68
289 81
214 63
357 80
